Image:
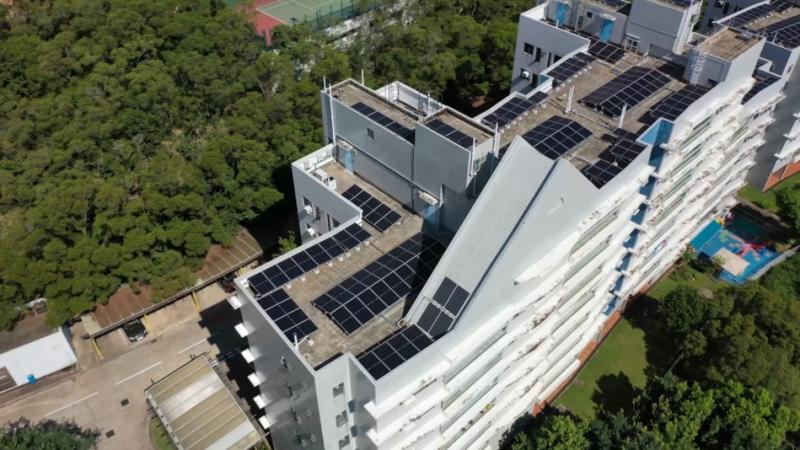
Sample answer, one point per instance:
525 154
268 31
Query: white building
32 351
457 271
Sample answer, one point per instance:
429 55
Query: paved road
109 395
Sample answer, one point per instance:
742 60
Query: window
710 23
631 44
538 56
341 419
725 8
344 442
589 14
306 202
295 416
338 390
285 363
317 213
528 48
370 133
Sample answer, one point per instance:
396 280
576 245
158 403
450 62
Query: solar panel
785 32
607 52
376 213
372 290
601 172
745 17
290 319
556 136
451 296
460 138
763 80
677 102
622 152
385 121
513 108
630 88
615 3
568 68
396 349
304 261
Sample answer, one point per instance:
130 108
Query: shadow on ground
614 393
660 348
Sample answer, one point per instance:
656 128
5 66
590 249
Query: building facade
455 272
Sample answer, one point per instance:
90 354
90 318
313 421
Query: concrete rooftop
728 43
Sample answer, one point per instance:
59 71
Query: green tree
788 201
47 435
683 309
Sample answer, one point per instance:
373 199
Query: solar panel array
376 213
385 121
513 108
676 103
763 80
614 159
606 51
601 172
451 133
630 88
615 3
570 67
785 33
741 20
396 349
372 290
291 320
448 302
304 261
556 136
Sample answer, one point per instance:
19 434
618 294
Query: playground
740 244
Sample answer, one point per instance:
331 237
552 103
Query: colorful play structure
737 240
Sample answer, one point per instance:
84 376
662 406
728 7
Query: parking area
109 394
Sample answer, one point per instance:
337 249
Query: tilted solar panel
763 80
376 213
676 103
556 136
287 315
630 88
570 67
396 349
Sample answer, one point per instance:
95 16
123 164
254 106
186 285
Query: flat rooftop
728 43
351 93
329 340
602 127
465 125
28 329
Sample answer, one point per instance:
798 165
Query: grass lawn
628 356
766 200
159 436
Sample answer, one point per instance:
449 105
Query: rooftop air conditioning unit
526 74
308 209
311 231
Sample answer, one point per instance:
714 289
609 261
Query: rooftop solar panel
385 121
763 80
601 172
556 136
376 213
306 260
607 52
454 135
630 88
396 349
785 32
622 152
372 290
513 108
570 67
292 321
745 17
676 103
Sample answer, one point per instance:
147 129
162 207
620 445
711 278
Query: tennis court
319 13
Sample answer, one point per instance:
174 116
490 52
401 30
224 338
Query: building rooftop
351 93
476 131
199 411
782 11
728 43
27 330
778 21
307 291
603 128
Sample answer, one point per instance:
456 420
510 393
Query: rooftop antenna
324 84
569 99
362 77
428 103
622 115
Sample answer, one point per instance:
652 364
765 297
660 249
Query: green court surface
296 11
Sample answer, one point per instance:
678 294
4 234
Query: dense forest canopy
135 134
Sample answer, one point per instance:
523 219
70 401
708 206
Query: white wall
39 358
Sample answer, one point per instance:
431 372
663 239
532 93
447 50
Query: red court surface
264 23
